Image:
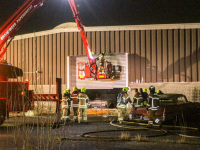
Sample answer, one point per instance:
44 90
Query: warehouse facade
147 53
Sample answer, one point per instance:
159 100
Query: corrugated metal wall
168 55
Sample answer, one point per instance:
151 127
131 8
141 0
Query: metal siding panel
93 42
159 57
11 52
46 65
30 59
121 45
127 42
194 55
137 56
38 60
50 59
154 53
54 58
112 42
182 56
67 51
198 54
58 59
8 54
62 60
15 53
108 50
80 45
132 57
176 56
170 57
42 59
165 56
19 58
75 44
103 42
98 43
117 42
34 59
143 56
188 56
71 44
26 62
148 56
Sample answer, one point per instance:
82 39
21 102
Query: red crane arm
9 28
81 28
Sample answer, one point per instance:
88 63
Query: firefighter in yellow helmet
145 95
66 102
159 92
123 99
75 104
152 107
82 110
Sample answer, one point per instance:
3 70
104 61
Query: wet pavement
37 132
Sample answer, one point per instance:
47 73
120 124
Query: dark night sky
105 13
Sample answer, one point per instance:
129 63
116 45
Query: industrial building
161 53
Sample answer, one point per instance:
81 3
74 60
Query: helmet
67 91
144 90
152 88
83 90
159 92
125 89
103 53
75 88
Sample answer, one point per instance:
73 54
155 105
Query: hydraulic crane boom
9 28
82 31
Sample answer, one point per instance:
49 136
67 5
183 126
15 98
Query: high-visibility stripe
65 106
121 106
75 105
84 118
150 122
121 118
82 106
157 120
75 117
65 117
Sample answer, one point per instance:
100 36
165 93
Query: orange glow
22 93
99 111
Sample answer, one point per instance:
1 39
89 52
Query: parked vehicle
173 108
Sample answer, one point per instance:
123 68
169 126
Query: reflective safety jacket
153 102
83 100
138 100
66 101
124 100
74 97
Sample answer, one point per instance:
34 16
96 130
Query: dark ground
39 135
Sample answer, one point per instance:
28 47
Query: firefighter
137 99
82 110
101 60
66 100
152 107
144 95
121 106
159 92
75 104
